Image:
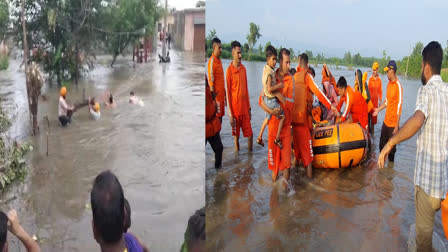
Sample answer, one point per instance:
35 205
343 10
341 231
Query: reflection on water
357 209
151 149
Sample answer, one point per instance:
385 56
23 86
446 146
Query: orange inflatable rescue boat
339 146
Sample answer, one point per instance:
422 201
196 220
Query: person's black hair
3 229
342 82
358 71
131 93
111 99
281 53
433 55
313 73
196 228
270 51
107 201
235 44
304 58
216 41
127 220
292 71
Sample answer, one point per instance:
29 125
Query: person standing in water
238 95
64 110
376 93
216 78
393 105
430 121
212 126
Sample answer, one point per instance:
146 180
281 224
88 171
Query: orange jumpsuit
303 149
376 93
216 79
356 105
239 103
280 159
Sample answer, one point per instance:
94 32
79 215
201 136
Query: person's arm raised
15 228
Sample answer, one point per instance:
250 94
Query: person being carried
11 222
355 105
271 96
108 211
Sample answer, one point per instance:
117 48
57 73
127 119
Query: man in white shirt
64 110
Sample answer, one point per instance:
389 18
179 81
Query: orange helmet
97 107
63 91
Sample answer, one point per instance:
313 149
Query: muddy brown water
156 151
357 209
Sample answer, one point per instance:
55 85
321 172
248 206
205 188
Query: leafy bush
4 62
12 159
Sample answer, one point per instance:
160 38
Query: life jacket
301 99
212 123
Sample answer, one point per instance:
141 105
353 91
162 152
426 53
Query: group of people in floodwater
287 98
66 111
292 113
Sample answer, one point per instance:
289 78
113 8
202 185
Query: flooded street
357 209
156 151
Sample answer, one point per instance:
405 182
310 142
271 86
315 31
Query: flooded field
156 150
357 209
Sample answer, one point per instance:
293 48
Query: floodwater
356 209
156 151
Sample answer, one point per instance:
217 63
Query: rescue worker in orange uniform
280 159
304 87
216 78
238 95
376 93
355 105
212 126
393 105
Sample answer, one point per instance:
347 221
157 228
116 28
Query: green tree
245 48
260 50
347 58
127 21
253 36
291 50
356 60
4 18
211 34
310 54
267 44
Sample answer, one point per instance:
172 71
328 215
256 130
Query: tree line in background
411 63
65 36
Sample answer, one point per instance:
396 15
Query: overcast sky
333 27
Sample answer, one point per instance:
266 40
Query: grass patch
4 62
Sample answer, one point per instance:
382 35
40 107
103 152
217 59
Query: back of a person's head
127 220
195 234
270 51
3 230
312 72
107 202
131 93
303 59
433 54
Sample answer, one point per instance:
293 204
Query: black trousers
386 134
66 119
216 144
